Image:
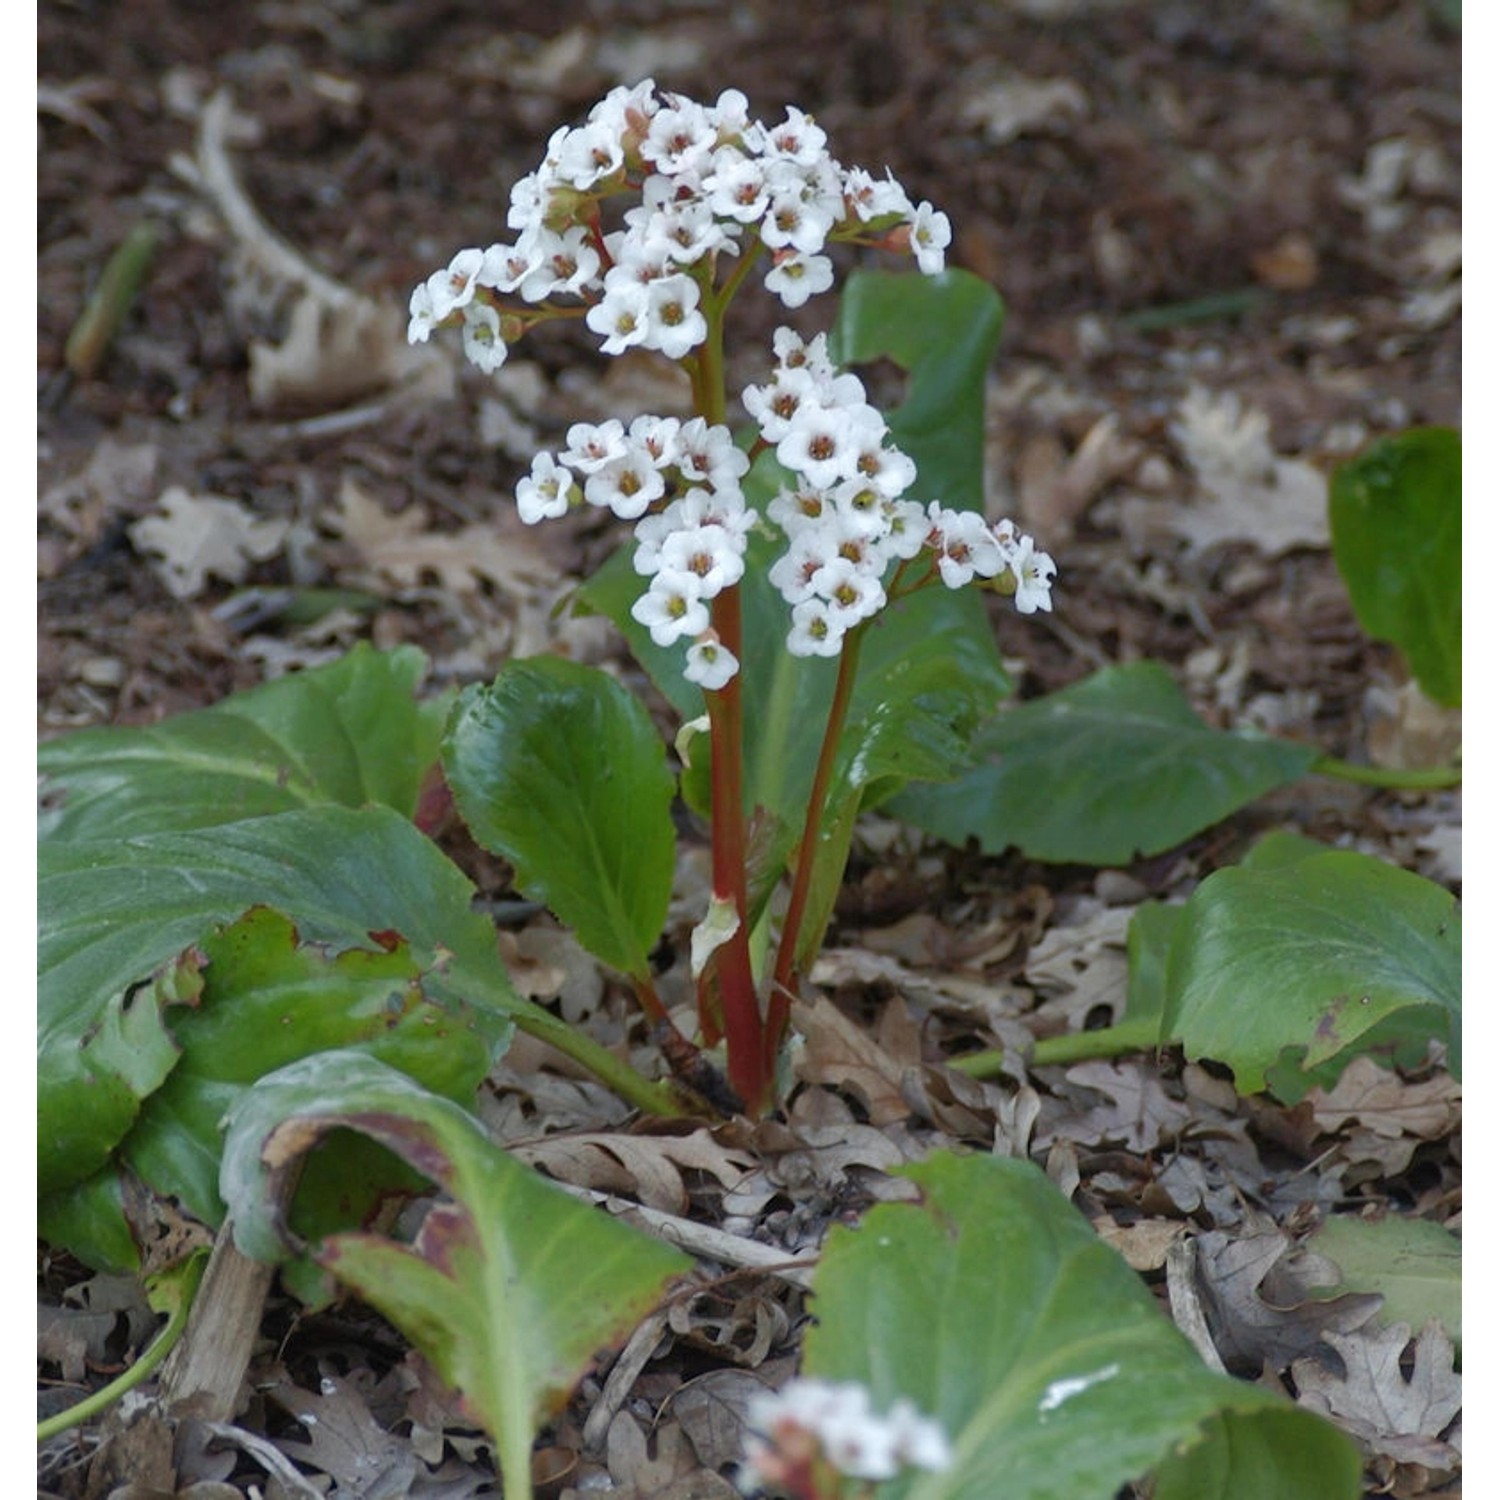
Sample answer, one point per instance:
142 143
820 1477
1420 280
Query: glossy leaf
269 999
995 1309
350 733
1115 766
1396 514
510 1288
1320 956
116 912
559 769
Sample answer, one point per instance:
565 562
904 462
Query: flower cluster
710 180
847 521
812 1425
705 182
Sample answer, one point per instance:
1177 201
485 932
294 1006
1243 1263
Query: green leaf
116 912
510 1289
943 330
88 1219
1397 517
1271 1455
350 732
1416 1265
1320 955
1113 767
560 770
269 999
995 1309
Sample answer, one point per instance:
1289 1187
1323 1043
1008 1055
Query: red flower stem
732 966
783 978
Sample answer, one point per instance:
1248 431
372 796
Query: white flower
592 445
714 555
544 493
966 547
796 139
710 664
823 444
838 1420
816 629
675 324
453 288
1034 573
419 329
656 436
930 237
851 591
671 608
482 342
794 278
505 267
707 455
627 485
622 315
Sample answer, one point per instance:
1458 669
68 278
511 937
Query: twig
272 253
1186 1305
703 1240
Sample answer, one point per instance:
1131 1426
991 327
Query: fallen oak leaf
193 536
647 1167
402 548
1390 1413
839 1053
1261 1297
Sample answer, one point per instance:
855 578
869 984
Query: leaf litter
1132 445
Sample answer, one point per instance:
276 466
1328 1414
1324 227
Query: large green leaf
351 732
560 770
116 912
995 1309
1326 956
1115 766
269 999
510 1288
1396 513
1416 1265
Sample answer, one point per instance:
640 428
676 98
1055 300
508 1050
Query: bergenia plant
646 222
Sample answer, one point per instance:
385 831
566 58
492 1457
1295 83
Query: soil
1258 203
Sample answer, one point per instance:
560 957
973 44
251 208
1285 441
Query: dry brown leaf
344 1440
1248 493
1139 1113
1055 489
634 1469
837 1052
192 536
1025 106
401 547
1391 1413
118 477
1080 964
1260 1294
1144 1244
648 1168
1386 1104
711 1409
741 1330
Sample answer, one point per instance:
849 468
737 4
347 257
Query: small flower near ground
802 1438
